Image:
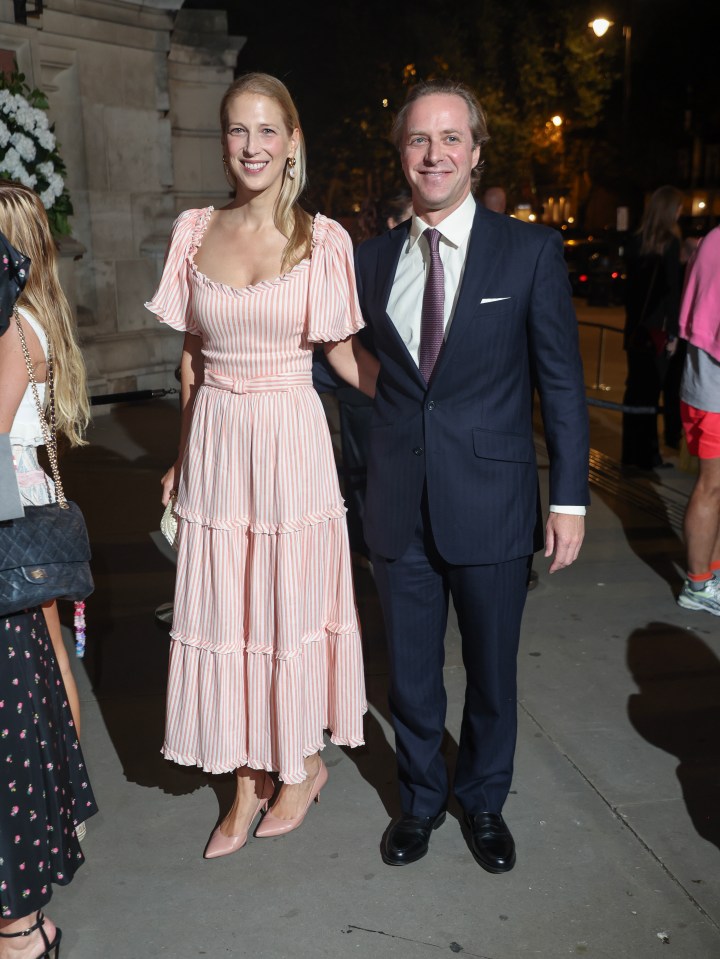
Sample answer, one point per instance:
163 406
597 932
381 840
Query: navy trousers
414 593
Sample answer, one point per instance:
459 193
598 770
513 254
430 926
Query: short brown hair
478 123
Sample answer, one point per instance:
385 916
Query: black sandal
52 949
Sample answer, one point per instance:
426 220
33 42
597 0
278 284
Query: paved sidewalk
616 805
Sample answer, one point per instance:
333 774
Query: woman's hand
170 482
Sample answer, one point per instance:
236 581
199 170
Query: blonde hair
659 223
24 222
290 219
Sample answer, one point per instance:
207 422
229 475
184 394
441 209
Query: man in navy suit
469 312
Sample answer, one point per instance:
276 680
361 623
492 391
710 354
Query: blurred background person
700 409
651 322
396 209
376 216
495 199
368 221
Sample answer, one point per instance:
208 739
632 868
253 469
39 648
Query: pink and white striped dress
266 650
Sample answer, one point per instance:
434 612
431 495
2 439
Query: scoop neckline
198 235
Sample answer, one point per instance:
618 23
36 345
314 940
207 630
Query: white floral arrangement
29 150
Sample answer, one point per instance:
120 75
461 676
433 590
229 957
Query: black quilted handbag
44 555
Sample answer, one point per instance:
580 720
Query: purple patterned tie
432 328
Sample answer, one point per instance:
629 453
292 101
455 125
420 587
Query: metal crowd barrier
132 396
621 407
603 329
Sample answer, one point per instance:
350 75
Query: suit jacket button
418 451
431 405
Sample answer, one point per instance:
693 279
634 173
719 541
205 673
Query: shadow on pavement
677 709
648 530
116 481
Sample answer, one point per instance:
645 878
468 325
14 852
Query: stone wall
133 87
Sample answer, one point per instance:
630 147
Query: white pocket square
495 299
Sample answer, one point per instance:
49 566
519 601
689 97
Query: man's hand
564 534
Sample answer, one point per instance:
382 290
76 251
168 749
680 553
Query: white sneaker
707 598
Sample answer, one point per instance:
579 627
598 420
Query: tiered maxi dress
266 650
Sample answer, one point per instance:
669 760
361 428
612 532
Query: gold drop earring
291 167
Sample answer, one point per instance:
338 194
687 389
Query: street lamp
600 26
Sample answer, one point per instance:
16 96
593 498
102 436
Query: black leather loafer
491 843
407 839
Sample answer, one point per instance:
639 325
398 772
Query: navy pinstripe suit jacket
468 436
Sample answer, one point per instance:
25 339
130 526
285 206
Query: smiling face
438 154
256 143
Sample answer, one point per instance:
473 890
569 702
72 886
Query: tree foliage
526 62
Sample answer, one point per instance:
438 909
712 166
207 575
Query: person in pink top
700 411
266 650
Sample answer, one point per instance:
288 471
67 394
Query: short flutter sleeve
333 307
172 301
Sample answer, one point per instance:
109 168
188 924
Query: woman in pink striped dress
266 650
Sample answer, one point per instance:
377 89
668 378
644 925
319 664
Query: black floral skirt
44 787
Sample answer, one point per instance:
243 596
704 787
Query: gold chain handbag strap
49 431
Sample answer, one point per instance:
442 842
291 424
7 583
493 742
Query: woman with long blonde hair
266 650
47 323
50 796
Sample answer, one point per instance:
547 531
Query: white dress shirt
405 303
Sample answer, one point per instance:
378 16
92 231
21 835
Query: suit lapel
387 266
388 261
481 264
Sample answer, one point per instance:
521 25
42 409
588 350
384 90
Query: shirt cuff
572 510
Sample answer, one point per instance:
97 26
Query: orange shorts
702 431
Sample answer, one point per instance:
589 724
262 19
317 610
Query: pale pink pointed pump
272 826
222 845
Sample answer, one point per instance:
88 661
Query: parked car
596 268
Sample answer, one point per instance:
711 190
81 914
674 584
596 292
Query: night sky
316 46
